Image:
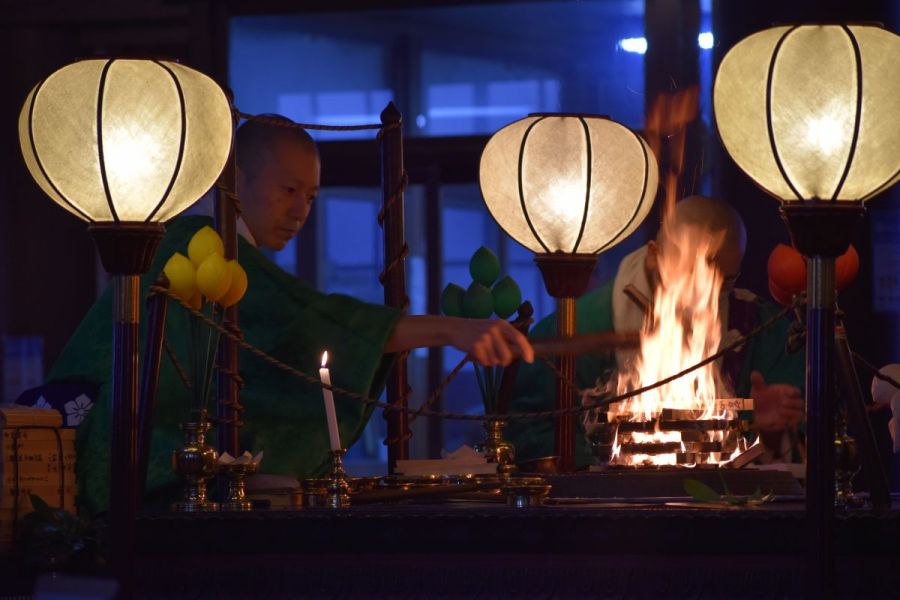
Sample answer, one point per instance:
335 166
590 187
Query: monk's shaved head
700 222
712 215
278 178
257 142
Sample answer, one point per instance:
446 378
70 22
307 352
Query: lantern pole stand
821 231
126 251
566 277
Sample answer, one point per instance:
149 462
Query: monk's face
276 198
727 255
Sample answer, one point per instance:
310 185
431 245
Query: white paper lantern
568 183
120 140
812 112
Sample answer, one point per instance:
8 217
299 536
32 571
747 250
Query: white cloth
206 207
885 393
627 315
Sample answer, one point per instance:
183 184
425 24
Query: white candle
334 436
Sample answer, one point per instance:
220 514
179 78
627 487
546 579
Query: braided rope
170 352
394 198
437 393
461 417
232 196
875 371
394 263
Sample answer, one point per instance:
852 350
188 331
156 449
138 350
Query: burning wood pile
675 437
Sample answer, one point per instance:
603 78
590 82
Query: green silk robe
535 383
284 417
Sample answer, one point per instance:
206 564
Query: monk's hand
776 407
491 342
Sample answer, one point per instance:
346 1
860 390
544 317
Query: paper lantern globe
568 183
121 140
810 112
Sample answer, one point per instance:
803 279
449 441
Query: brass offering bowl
525 492
235 495
544 464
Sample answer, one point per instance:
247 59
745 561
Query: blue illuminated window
454 70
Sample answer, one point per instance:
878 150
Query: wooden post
434 260
228 402
394 275
157 307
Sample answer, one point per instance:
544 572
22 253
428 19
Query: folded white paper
462 461
244 459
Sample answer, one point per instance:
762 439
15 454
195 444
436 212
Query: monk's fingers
486 344
480 355
796 404
501 348
519 342
790 416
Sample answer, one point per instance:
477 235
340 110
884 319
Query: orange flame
685 325
666 133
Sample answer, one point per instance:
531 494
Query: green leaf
700 491
452 300
507 297
478 303
484 266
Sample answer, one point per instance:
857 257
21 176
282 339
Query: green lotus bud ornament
484 266
507 297
478 302
452 300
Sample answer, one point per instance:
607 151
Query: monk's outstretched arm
490 342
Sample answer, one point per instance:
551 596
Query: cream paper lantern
568 183
812 112
121 140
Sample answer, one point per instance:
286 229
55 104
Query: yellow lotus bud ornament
213 277
181 275
205 242
238 286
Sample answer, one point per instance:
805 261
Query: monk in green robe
761 369
277 182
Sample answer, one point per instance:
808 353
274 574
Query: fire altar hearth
651 458
668 482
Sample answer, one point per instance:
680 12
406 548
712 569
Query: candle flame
325 358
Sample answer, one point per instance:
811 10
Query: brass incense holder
526 492
338 485
195 462
235 493
315 493
846 455
497 450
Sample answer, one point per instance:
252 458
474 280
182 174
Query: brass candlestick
497 450
196 463
846 467
235 494
338 485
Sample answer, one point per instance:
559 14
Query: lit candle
334 436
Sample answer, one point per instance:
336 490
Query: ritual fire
686 421
693 420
